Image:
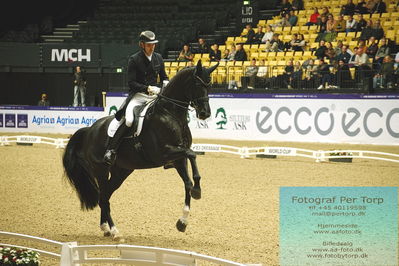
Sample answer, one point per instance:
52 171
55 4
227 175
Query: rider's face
148 48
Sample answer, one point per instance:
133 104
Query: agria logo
221 118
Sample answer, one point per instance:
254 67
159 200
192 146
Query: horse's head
199 93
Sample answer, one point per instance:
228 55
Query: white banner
308 119
52 120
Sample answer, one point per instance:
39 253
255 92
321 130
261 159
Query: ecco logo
348 120
66 55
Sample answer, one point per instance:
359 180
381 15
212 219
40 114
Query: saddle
139 113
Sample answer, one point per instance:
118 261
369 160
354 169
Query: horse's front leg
196 190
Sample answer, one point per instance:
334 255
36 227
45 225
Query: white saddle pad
114 125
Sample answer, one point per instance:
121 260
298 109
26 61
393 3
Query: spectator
297 5
240 55
293 19
225 55
268 34
361 24
287 74
284 22
215 54
232 53
348 9
325 12
288 46
329 52
370 6
250 75
299 44
259 35
362 65
250 34
79 87
313 18
296 77
385 77
185 54
344 55
352 61
330 23
322 24
351 24
361 8
380 7
261 76
338 48
203 47
339 24
323 75
43 100
285 8
382 52
378 31
275 44
343 75
372 48
321 51
367 32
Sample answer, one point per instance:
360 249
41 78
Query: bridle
193 103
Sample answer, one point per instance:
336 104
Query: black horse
165 140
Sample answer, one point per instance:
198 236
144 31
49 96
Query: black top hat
148 37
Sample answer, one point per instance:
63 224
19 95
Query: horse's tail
76 171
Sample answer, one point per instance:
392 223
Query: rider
144 67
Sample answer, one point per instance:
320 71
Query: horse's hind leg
107 188
181 167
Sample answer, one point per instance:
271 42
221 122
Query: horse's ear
212 68
198 68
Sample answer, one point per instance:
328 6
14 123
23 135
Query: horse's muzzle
203 115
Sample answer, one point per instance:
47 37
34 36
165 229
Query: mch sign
70 55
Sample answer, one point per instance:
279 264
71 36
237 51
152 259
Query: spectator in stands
372 48
343 75
310 73
145 68
79 87
379 7
259 35
288 45
325 12
362 65
215 54
297 5
284 22
285 7
329 52
323 75
344 55
361 23
321 51
385 76
261 76
382 52
322 24
240 55
293 19
351 24
314 18
378 31
361 7
339 24
370 6
43 100
225 55
185 54
367 32
250 75
250 34
330 24
299 44
352 61
232 53
348 9
338 48
268 34
295 79
275 44
203 47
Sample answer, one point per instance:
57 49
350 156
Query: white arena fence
243 152
72 254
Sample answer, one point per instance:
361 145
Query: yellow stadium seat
174 64
395 15
278 29
182 64
262 47
387 24
262 55
167 64
238 63
375 16
255 55
289 55
307 54
262 22
246 63
280 55
351 34
385 15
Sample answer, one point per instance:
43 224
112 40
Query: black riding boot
114 142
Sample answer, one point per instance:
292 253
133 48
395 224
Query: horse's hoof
195 193
181 225
107 234
105 228
119 239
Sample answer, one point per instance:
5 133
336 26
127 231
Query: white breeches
138 99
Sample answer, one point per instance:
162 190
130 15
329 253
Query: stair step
62 33
66 29
56 36
53 40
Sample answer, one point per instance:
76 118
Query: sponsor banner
341 119
73 54
280 151
28 139
1 120
46 120
206 147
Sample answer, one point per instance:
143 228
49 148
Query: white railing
72 254
243 152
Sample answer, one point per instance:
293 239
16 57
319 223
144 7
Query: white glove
164 83
153 90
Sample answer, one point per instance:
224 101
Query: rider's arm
132 73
